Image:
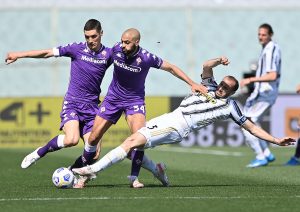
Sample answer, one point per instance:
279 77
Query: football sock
253 142
54 144
267 152
148 164
297 152
89 153
78 163
136 161
112 157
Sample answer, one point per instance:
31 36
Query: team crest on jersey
138 60
119 55
103 53
102 109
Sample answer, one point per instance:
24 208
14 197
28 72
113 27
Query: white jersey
199 112
195 111
269 60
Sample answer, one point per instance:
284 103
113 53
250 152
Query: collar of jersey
93 52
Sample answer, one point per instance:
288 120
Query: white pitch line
200 151
137 198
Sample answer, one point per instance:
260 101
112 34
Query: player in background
89 62
194 113
126 93
295 160
266 84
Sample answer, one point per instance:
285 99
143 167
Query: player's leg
93 144
71 138
254 113
114 156
145 138
264 108
136 121
157 125
295 160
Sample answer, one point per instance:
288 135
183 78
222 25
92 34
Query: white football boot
134 182
161 174
85 175
30 159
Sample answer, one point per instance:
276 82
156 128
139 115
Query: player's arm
13 56
298 89
181 75
210 64
262 134
268 77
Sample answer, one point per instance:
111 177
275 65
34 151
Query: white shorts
169 128
256 110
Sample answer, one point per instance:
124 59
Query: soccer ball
63 178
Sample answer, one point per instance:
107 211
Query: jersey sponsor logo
127 67
93 60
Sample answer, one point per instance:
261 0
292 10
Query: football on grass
63 178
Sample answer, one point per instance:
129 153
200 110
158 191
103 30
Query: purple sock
297 152
136 162
88 157
78 163
51 146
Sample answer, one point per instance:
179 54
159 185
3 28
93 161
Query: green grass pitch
203 179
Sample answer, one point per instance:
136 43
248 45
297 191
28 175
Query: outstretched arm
298 89
181 75
210 64
262 134
13 56
268 77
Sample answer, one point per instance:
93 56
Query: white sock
253 142
149 164
267 152
112 157
89 148
60 141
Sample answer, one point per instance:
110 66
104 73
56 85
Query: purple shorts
81 111
112 111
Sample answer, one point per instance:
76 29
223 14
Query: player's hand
298 89
224 61
199 88
10 58
286 141
245 82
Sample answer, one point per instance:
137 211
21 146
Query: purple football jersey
87 70
128 83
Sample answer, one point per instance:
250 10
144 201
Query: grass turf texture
200 182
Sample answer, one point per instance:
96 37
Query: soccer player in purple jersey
195 112
126 94
89 62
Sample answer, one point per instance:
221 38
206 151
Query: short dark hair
92 24
236 86
267 27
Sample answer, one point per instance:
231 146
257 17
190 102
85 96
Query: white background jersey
269 60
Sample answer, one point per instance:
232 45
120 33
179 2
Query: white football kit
265 93
194 113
